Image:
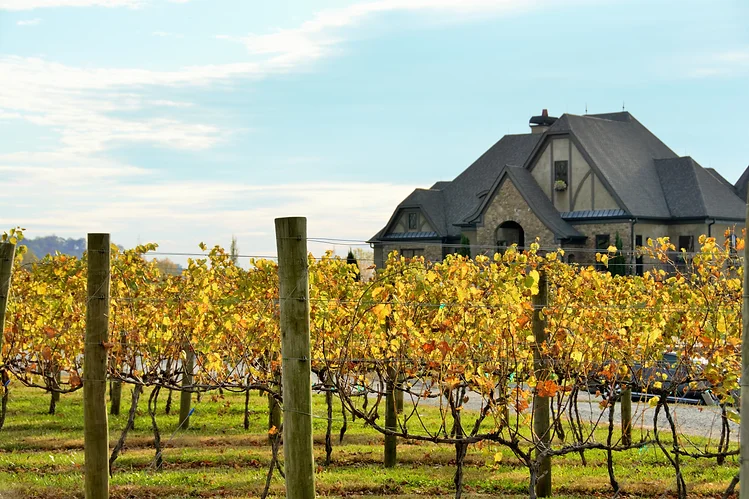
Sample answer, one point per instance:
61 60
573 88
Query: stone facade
586 253
430 250
508 205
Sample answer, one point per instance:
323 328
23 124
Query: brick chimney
539 124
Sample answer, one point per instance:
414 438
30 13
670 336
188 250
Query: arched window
509 233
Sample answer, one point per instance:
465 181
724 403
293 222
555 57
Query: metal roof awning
584 214
411 235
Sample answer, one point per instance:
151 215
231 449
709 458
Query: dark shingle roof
447 203
432 204
623 151
462 194
720 177
693 192
742 184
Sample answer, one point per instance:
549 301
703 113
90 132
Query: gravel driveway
691 420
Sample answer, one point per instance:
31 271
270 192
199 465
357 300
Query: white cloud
181 214
315 38
79 102
77 189
29 22
170 103
728 63
79 105
40 4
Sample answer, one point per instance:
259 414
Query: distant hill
47 245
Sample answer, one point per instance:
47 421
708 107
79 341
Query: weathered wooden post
115 386
296 376
626 407
95 424
391 409
185 398
115 397
391 420
274 416
541 405
274 409
744 430
7 253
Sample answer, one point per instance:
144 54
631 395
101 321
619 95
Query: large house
576 182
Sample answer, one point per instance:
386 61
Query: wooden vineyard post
626 408
274 415
541 405
391 420
7 253
296 376
115 386
95 424
185 398
115 397
744 429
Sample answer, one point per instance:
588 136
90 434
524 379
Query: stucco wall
602 200
541 171
508 205
401 225
582 182
585 191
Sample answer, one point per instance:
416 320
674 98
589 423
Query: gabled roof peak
623 116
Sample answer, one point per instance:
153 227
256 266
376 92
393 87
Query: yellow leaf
498 457
721 326
165 321
654 401
533 274
612 249
382 311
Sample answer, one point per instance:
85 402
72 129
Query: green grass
41 456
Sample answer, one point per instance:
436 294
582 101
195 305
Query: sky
181 121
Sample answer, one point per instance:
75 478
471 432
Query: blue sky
180 121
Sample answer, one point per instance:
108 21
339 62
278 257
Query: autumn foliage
443 333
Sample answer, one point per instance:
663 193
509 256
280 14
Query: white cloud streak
29 22
721 64
18 5
316 38
85 191
79 102
112 198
